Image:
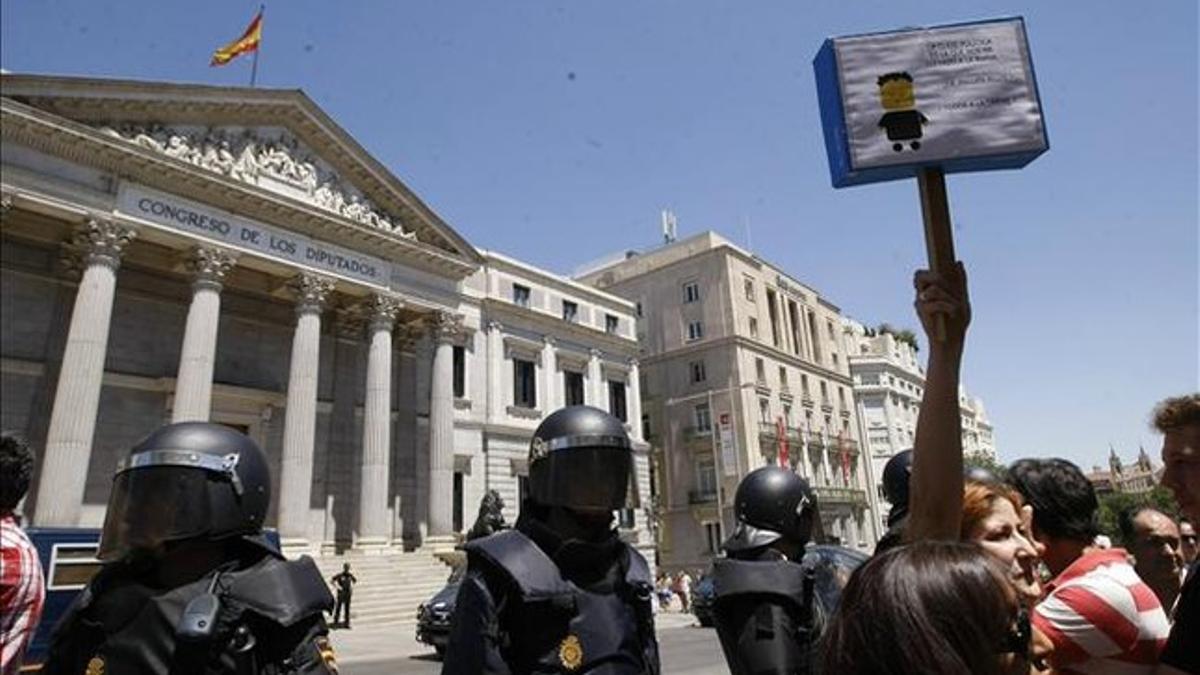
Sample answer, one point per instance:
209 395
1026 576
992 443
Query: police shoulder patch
95 666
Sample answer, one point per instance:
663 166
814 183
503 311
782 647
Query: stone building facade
739 361
889 381
180 252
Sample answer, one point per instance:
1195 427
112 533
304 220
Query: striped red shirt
22 591
1102 617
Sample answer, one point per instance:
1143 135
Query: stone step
390 586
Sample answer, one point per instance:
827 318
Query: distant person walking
343 584
22 589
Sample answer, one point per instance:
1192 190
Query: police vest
269 620
763 614
550 625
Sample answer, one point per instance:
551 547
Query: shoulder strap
284 591
533 573
779 578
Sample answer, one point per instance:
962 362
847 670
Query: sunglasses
1020 635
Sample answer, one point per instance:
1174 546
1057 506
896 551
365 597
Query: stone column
595 382
445 326
77 398
495 364
300 422
633 403
548 400
373 525
193 383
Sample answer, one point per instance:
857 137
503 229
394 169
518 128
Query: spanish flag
247 43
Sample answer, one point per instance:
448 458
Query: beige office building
180 252
738 359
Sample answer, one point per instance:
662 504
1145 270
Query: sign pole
939 238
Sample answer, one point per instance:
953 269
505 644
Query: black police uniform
255 612
536 601
896 475
763 601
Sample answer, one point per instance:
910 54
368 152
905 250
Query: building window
829 326
706 476
787 415
703 418
695 331
698 374
753 327
772 314
842 397
625 519
760 371
783 383
610 323
712 532
834 356
524 384
460 371
521 295
616 400
804 385
572 387
458 502
824 394
764 410
639 308
570 311
748 284
691 292
795 322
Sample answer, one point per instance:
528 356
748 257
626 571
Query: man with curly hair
1178 419
22 589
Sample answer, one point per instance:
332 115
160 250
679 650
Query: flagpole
258 48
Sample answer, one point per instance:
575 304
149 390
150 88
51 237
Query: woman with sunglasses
929 607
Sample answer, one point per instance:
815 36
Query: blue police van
68 557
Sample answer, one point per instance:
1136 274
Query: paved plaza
685 647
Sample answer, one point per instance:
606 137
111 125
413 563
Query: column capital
549 341
595 353
381 311
310 291
348 321
633 362
495 326
445 326
408 335
100 241
208 266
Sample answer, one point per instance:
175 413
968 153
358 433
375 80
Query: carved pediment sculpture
272 159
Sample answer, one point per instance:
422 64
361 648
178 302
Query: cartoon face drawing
896 91
901 121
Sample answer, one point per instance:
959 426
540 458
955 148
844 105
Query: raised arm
936 492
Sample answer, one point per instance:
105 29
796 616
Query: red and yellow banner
247 43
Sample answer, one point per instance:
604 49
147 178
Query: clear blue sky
556 131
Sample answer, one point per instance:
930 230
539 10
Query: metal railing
840 495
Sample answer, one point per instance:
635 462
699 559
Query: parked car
435 615
701 599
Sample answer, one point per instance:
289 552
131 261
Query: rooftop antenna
669 231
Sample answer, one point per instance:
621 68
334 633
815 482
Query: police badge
570 652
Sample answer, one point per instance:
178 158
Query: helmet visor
151 506
589 478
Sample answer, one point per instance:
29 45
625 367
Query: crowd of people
981 571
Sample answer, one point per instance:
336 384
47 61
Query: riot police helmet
896 475
772 504
186 481
581 458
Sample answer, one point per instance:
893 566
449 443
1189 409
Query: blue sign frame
837 137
